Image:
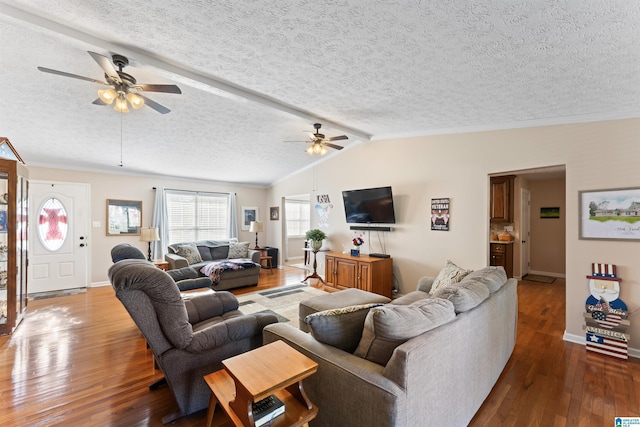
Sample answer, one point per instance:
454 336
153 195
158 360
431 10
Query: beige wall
457 166
127 187
547 235
422 168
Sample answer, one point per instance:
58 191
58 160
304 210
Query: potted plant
316 237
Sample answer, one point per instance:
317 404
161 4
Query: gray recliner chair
189 335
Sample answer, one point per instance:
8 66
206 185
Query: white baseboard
546 273
582 340
98 284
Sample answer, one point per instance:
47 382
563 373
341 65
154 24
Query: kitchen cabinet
502 255
501 203
343 271
13 244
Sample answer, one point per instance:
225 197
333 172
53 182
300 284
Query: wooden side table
161 264
275 368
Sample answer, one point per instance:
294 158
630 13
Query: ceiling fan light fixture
135 100
107 95
317 148
121 104
310 150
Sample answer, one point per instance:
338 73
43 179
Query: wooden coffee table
275 368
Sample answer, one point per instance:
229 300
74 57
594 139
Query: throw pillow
385 328
464 295
451 273
340 327
492 277
190 252
238 250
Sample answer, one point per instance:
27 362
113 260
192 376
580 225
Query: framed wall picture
553 213
249 214
609 214
274 213
124 217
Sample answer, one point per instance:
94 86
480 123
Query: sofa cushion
411 297
219 252
205 253
451 273
388 326
238 250
492 277
190 252
183 273
464 295
339 327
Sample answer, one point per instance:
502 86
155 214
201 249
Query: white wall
127 187
597 155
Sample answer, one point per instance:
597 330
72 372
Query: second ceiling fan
319 142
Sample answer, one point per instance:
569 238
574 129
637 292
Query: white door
58 235
526 232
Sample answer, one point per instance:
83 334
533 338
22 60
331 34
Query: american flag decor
603 270
608 346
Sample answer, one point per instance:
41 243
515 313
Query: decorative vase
316 245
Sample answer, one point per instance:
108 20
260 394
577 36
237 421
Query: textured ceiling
256 74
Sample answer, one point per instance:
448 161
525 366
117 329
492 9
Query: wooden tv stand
343 271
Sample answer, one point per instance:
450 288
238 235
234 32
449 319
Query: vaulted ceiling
256 74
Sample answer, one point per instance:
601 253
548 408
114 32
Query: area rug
282 301
538 278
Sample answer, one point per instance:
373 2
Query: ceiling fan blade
338 138
75 76
99 101
106 65
160 88
153 104
334 146
296 141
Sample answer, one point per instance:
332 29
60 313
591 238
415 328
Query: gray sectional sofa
201 253
428 358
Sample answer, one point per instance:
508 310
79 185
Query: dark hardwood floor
79 361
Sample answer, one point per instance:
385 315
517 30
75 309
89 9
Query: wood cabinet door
329 271
498 260
346 274
501 203
364 276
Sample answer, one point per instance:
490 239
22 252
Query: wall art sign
609 214
440 214
323 207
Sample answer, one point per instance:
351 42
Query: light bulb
136 100
317 148
121 104
323 151
310 150
107 95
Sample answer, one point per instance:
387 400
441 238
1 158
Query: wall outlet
96 224
509 228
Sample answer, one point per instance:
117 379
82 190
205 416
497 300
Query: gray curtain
160 221
233 222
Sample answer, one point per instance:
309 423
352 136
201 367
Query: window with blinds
298 217
194 216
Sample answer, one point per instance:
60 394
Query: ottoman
340 299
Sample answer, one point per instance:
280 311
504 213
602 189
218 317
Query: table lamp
149 235
256 227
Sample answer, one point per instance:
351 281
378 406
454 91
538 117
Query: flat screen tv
369 206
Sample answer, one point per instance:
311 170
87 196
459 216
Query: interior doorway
539 239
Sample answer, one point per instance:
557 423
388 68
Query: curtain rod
195 191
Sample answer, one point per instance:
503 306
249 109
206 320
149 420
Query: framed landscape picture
609 214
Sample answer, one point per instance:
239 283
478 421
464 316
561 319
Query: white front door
58 235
